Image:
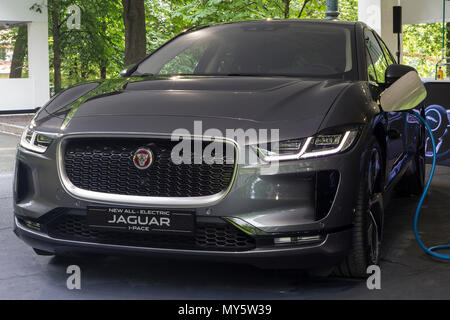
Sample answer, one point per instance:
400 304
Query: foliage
422 47
165 19
161 22
8 39
100 41
201 12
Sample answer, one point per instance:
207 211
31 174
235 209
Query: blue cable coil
432 250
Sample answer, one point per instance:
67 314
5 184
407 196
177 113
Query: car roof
293 21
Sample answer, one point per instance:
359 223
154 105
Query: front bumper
284 204
327 253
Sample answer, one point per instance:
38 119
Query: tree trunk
20 49
303 8
102 72
56 45
103 60
135 38
286 8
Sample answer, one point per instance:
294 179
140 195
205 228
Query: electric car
308 168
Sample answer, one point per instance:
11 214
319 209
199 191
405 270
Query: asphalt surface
14 123
406 271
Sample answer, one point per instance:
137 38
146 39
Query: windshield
272 48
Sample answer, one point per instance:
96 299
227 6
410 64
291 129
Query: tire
367 221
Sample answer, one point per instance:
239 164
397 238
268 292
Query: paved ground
14 123
407 273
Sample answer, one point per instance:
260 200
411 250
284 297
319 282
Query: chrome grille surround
109 198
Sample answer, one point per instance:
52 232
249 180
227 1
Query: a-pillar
378 15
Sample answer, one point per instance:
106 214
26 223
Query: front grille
106 165
208 236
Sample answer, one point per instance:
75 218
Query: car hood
160 105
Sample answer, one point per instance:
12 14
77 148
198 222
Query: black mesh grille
208 236
106 165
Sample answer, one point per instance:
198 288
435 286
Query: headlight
35 141
320 145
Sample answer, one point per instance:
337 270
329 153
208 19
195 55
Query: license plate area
141 220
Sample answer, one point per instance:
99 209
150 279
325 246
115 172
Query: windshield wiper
138 74
246 75
273 75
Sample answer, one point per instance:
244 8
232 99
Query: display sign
438 116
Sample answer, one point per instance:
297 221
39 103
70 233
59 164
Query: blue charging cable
431 250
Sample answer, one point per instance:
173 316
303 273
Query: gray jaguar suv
122 166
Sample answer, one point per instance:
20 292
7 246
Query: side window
370 69
390 59
376 53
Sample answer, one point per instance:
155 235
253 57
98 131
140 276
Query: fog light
297 240
33 225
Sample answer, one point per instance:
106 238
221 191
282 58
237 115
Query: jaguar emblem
143 158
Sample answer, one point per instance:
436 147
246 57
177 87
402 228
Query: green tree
200 12
98 49
422 44
20 52
90 52
54 9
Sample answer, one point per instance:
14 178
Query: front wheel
367 220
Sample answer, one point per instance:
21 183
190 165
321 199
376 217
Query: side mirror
404 94
396 71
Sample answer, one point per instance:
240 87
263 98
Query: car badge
143 158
